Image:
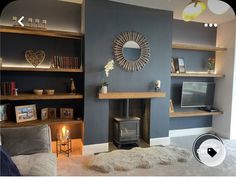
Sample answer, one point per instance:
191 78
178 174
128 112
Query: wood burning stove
126 129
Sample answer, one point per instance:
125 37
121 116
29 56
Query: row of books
65 62
8 88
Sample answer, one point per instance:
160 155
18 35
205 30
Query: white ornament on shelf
103 89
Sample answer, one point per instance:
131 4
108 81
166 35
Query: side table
64 146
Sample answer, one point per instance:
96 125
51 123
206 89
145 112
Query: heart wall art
35 58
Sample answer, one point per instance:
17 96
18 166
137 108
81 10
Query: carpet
125 160
78 165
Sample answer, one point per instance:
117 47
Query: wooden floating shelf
40 69
193 113
42 97
40 32
197 75
5 124
197 47
131 95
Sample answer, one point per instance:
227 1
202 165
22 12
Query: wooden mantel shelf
131 95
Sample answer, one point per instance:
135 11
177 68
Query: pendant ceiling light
196 7
217 6
193 10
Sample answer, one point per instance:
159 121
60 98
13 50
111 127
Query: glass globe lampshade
217 6
193 10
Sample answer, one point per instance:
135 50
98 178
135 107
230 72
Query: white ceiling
178 5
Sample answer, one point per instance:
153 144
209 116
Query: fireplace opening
129 123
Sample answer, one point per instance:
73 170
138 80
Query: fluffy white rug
124 160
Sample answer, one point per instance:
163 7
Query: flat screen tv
197 94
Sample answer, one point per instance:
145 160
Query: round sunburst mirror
131 51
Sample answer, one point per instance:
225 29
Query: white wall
225 94
233 116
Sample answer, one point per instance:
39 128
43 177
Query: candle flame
63 130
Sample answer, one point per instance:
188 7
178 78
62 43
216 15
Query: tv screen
197 94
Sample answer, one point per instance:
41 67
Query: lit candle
63 132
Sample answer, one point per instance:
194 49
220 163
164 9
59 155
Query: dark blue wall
104 21
192 33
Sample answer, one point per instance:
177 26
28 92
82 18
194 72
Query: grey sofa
30 150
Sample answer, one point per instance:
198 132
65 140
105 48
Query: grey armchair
30 149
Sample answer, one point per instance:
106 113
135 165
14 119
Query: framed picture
4 112
66 113
171 107
44 113
179 65
52 113
26 113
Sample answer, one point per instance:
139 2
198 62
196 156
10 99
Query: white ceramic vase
104 89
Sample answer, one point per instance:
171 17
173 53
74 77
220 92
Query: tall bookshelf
28 78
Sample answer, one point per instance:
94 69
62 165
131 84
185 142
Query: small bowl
38 91
49 91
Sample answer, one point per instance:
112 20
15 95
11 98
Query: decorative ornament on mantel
157 85
107 68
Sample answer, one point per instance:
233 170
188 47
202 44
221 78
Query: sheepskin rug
124 160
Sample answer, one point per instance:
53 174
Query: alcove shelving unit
195 47
23 97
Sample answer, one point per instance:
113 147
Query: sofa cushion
26 140
40 164
7 166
